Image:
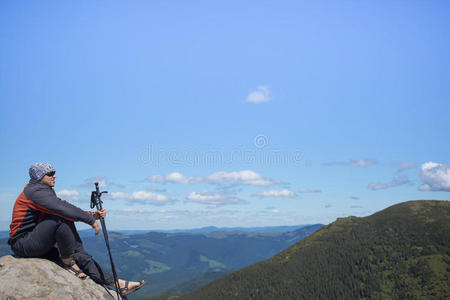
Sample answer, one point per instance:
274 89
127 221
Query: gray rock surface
35 278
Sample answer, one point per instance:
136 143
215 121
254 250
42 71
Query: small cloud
435 176
152 189
354 198
309 191
118 195
262 94
272 209
328 205
397 181
285 193
156 179
355 163
176 177
356 206
363 162
69 195
134 212
245 177
406 165
212 199
89 182
143 197
103 183
146 197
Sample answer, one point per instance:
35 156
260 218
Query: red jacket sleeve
44 199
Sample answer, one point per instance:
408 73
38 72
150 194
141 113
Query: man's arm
45 200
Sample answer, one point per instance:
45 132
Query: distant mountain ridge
182 262
402 252
207 229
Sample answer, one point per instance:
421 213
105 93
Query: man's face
49 178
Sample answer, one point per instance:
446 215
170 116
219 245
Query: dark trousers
52 231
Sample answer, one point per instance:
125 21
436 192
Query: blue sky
227 113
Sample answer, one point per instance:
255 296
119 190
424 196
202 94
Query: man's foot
73 268
127 287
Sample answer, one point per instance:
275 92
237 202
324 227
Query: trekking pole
97 202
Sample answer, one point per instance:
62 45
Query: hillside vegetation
402 252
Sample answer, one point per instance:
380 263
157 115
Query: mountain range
208 229
181 262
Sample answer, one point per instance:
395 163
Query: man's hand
96 227
100 213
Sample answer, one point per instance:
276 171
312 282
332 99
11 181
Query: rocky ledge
35 278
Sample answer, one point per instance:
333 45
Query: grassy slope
401 252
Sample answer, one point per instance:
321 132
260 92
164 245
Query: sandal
76 272
125 290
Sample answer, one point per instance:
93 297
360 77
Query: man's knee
63 230
67 238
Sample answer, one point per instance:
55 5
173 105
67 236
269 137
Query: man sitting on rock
42 221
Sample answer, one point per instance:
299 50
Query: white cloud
262 94
406 165
246 177
130 209
118 195
363 162
212 199
436 177
149 197
157 179
143 197
175 177
276 193
273 209
356 163
309 191
70 195
201 197
397 181
103 183
89 182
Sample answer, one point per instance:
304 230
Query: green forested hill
402 252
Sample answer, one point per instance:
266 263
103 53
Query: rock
35 278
